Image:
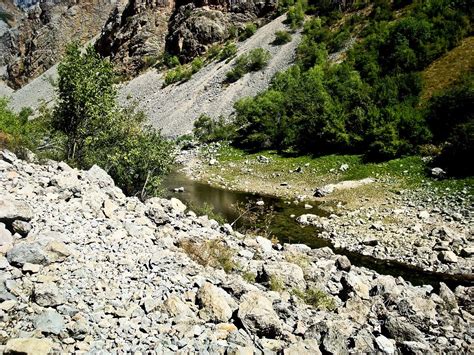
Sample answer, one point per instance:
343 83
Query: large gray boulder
257 314
49 321
12 210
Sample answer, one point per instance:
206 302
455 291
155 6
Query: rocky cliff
39 38
85 268
139 31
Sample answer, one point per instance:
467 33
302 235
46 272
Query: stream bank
417 229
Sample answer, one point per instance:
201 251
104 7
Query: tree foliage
99 132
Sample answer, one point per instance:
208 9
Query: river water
285 228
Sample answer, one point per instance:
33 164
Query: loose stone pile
420 228
86 268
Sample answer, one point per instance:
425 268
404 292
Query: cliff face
135 32
38 40
142 29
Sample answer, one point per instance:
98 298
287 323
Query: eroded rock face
197 25
135 32
38 40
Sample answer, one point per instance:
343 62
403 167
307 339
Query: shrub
98 132
295 14
248 31
229 50
177 74
282 37
207 130
254 60
316 298
18 132
197 64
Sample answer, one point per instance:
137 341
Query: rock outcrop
102 272
139 31
37 41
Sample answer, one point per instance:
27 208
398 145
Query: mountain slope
174 108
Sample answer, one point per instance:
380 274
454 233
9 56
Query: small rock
213 162
33 268
343 263
386 345
344 167
447 257
178 189
447 296
23 253
7 305
265 244
308 206
260 203
438 172
424 215
21 227
47 294
370 241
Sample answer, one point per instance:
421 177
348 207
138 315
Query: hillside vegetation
370 102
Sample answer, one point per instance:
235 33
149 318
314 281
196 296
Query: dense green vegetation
370 102
254 60
180 73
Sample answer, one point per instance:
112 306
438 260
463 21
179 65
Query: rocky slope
174 108
138 32
87 269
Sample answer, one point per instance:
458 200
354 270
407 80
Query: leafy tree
99 132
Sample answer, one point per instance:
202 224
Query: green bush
98 132
451 119
208 130
296 13
229 50
178 74
254 60
369 103
248 31
282 37
18 132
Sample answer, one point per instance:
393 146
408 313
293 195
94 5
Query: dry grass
443 72
212 253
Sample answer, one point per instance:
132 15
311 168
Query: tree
99 132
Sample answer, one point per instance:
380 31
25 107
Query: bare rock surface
122 281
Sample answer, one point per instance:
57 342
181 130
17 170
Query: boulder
400 330
21 227
47 294
290 274
447 257
49 322
258 316
265 244
27 253
12 210
28 346
447 296
343 263
216 304
352 283
98 175
174 306
177 206
385 345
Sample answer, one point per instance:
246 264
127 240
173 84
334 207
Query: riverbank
400 215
